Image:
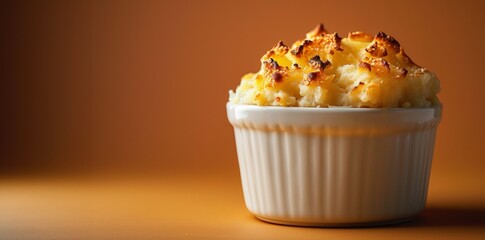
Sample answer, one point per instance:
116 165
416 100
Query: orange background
138 88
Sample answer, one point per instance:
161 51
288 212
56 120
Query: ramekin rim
332 109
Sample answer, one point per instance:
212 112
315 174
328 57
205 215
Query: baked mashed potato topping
325 70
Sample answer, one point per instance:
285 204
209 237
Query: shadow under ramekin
431 217
460 216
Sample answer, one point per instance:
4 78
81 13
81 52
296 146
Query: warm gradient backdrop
117 85
139 87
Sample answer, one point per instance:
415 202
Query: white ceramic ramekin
334 166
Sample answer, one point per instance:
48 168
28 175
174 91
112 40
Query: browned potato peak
326 70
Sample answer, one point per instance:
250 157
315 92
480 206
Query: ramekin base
337 225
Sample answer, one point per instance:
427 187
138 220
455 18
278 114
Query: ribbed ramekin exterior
327 178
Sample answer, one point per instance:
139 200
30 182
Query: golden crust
329 42
360 36
324 69
376 50
279 49
387 41
377 65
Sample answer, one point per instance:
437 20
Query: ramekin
334 166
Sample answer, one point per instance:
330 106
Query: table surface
201 207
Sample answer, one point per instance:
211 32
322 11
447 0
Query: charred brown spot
274 64
385 64
365 65
337 38
299 50
388 40
402 73
277 99
311 77
358 87
317 31
315 59
307 42
281 48
338 42
377 65
280 44
295 65
277 77
332 42
317 63
376 50
360 36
